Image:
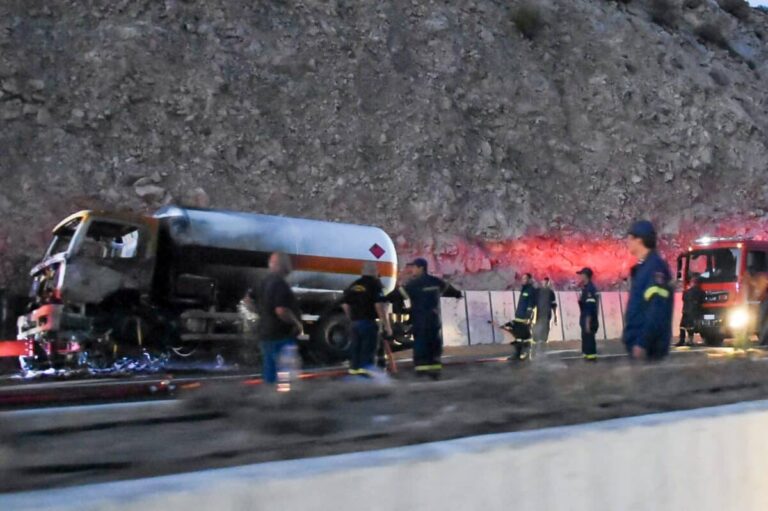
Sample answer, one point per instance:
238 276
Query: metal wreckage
172 284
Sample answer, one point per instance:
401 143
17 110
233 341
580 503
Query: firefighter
693 298
648 322
520 326
424 292
589 306
363 303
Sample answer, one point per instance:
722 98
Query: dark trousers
687 328
365 335
588 343
657 350
270 355
686 331
427 347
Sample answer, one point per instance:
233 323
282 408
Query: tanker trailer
110 283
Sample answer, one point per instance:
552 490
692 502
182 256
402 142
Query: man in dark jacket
279 324
546 311
424 292
693 298
589 307
648 322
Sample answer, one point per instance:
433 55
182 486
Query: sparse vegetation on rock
528 20
664 13
712 33
737 8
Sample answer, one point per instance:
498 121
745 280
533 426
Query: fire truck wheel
331 336
712 339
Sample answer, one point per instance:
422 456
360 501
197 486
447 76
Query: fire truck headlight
738 319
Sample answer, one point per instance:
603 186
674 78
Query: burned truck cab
175 282
95 260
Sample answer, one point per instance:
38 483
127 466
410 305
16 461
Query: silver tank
326 255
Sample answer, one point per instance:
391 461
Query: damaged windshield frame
65 233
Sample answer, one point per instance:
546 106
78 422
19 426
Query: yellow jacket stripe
656 290
429 367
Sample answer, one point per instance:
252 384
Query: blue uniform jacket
424 293
589 307
526 303
648 321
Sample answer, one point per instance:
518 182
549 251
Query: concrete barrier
503 307
454 317
479 317
613 320
569 309
467 321
711 459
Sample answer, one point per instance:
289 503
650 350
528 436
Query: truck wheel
713 340
332 337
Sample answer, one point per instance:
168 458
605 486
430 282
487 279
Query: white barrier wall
479 317
454 317
503 306
472 320
713 459
613 319
569 308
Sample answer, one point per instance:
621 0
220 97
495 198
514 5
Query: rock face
438 121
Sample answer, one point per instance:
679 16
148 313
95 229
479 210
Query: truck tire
332 337
712 339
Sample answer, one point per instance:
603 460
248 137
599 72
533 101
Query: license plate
709 316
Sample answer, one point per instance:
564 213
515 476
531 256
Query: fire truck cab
725 267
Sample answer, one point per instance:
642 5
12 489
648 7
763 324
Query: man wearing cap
424 292
648 322
588 317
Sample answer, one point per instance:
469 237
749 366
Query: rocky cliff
493 136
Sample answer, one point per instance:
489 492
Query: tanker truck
114 282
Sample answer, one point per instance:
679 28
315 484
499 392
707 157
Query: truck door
110 258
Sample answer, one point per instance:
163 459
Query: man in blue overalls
424 292
648 322
520 327
589 307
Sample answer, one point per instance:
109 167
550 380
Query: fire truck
726 268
